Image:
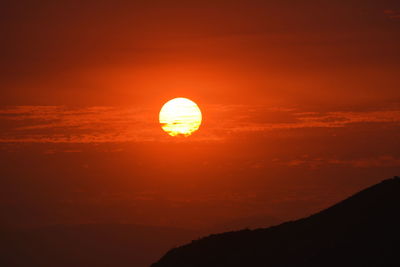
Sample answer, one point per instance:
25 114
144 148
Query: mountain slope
363 230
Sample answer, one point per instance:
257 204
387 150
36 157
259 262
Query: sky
300 103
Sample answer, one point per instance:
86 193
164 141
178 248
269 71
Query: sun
180 117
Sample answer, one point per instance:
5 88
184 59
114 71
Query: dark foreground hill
363 230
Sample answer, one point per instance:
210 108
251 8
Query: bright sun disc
180 116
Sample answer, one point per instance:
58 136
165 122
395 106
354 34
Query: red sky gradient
301 107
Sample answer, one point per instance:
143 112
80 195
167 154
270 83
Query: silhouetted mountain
250 222
362 230
90 245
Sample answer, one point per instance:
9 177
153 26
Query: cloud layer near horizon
61 124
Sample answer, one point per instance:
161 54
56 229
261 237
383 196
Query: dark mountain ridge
363 230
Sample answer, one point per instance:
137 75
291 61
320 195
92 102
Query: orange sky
301 107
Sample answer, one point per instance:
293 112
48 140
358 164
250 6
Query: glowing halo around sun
180 117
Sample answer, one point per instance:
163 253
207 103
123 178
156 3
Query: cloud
392 14
381 161
61 124
293 119
373 162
